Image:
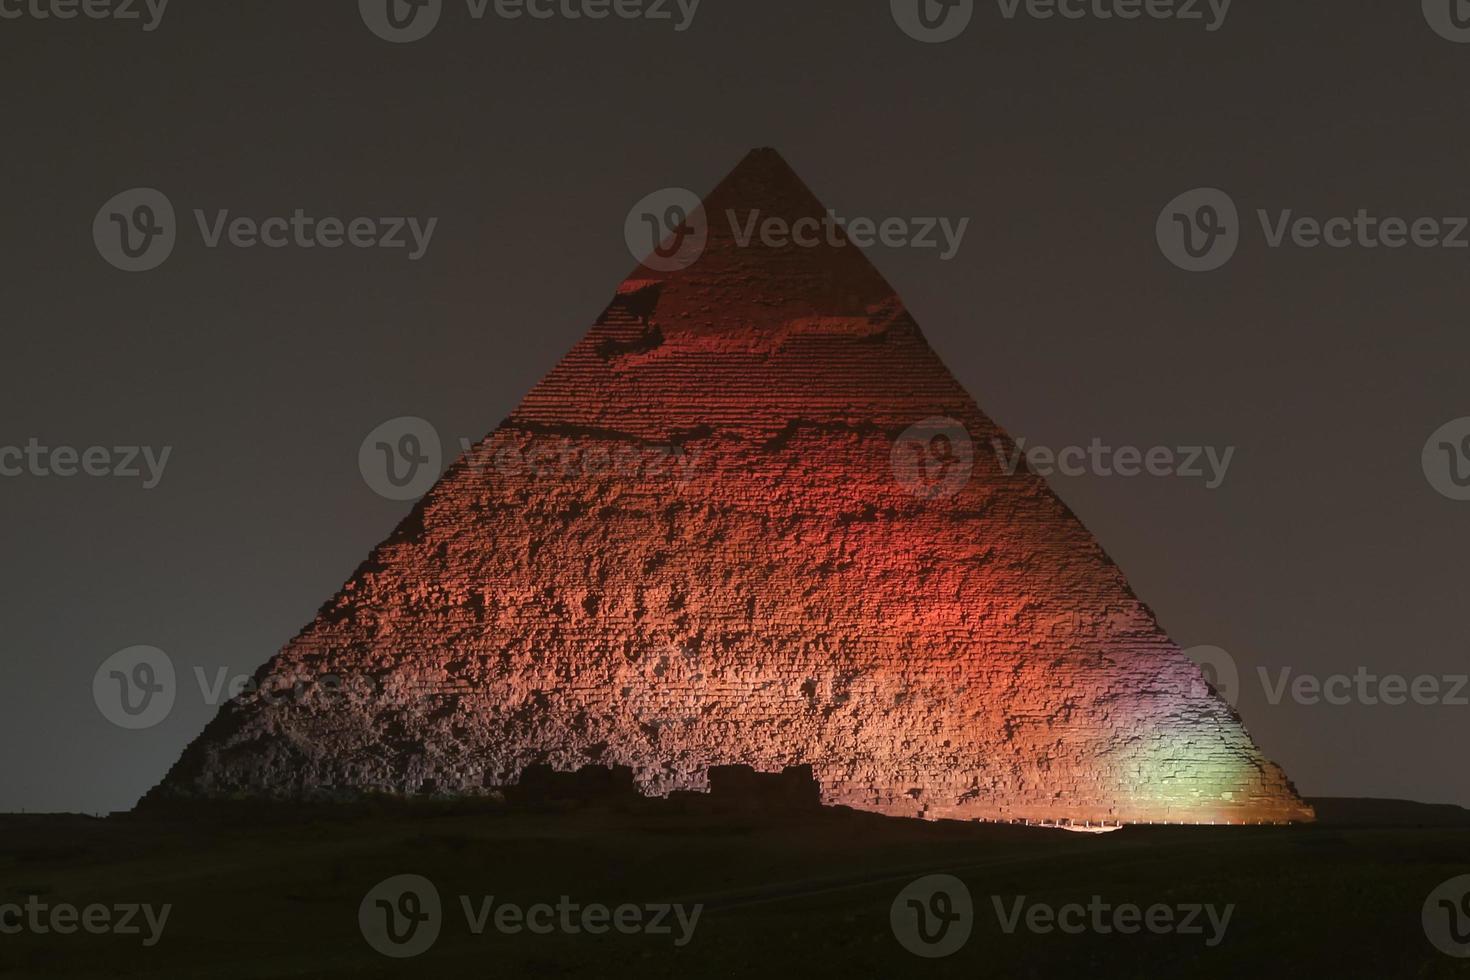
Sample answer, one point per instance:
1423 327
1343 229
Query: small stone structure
793 788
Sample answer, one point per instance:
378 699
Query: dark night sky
1326 549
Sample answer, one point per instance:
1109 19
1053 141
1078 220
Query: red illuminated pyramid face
749 519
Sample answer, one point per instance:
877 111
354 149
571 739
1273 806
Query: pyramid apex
828 274
764 175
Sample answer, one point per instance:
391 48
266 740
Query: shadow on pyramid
750 519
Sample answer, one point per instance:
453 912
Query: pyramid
750 519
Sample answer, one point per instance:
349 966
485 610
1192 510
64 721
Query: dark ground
261 892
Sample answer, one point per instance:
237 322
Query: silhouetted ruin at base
793 788
541 783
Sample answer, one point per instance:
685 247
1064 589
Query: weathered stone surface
691 546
